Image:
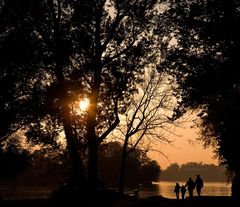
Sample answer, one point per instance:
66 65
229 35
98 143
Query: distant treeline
209 172
56 170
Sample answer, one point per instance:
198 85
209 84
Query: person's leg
198 191
183 195
191 193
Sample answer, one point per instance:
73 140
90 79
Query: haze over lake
165 188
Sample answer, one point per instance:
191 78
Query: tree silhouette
146 117
53 53
13 160
138 170
36 48
204 59
209 172
117 52
150 172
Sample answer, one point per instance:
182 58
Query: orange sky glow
185 148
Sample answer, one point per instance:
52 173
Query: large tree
54 53
121 46
36 47
146 117
202 53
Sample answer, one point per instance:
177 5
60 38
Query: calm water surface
162 188
166 188
12 193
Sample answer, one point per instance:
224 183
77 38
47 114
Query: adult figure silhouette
190 186
199 184
177 190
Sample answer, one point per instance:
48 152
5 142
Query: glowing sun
84 104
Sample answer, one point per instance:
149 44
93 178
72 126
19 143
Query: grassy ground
158 201
204 201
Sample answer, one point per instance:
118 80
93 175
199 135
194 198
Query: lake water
166 188
25 192
162 188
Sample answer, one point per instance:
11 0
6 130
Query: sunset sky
184 148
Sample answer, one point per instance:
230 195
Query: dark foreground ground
158 201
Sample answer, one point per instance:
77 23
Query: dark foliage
138 170
208 172
205 62
13 161
53 53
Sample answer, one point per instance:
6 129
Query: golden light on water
84 104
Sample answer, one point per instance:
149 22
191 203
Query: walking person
183 191
199 184
190 186
177 190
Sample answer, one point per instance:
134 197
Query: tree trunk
236 190
72 142
93 141
93 165
77 165
123 167
92 144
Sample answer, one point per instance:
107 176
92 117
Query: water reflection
165 189
149 190
162 188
